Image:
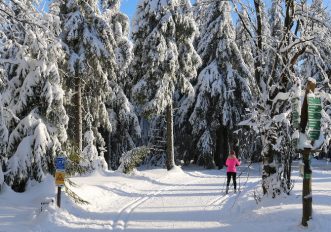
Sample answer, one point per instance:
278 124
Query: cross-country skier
231 170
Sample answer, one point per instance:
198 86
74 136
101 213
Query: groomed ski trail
149 200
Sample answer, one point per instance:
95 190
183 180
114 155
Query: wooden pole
58 200
307 197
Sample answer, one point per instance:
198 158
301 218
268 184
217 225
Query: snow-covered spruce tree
164 58
3 138
223 89
244 41
90 157
125 124
33 118
88 42
3 126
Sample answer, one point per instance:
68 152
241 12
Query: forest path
185 199
156 200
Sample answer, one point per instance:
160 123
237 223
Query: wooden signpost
311 115
314 117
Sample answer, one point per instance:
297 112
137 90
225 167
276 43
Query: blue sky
129 6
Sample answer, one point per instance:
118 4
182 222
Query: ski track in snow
187 200
123 215
122 220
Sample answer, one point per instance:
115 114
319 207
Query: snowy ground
188 199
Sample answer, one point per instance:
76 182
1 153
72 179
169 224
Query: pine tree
33 117
164 58
87 39
125 124
3 136
223 88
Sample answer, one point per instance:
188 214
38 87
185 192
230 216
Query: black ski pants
234 176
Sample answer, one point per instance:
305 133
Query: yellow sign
59 178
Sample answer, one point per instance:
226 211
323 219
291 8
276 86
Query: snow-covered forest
180 84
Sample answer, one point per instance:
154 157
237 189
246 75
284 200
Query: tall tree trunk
170 138
269 167
268 153
269 157
288 170
258 63
222 146
78 118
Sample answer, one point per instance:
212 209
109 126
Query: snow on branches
32 110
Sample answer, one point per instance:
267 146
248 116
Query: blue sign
60 163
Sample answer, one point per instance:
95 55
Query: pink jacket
231 163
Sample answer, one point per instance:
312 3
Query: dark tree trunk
78 118
257 63
170 139
222 146
288 170
268 169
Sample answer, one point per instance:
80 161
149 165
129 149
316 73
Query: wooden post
307 197
58 199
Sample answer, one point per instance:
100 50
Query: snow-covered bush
90 158
132 158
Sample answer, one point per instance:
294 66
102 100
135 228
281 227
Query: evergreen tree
223 88
125 124
3 138
244 41
164 58
88 43
33 118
